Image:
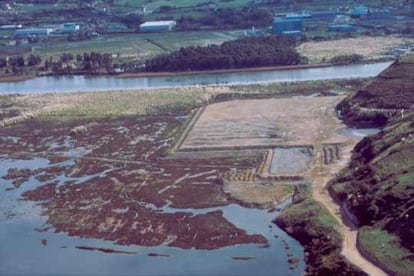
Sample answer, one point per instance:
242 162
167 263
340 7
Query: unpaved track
321 174
349 235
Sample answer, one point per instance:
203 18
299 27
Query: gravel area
290 160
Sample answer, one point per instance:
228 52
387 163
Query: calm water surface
21 251
105 83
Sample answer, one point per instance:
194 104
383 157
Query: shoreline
221 71
16 78
19 78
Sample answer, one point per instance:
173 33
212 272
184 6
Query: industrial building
359 12
301 15
287 26
157 26
68 28
33 32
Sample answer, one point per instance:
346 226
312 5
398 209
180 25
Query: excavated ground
280 131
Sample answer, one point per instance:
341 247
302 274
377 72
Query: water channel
106 83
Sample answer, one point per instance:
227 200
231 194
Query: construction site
288 135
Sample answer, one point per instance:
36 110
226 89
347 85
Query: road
321 174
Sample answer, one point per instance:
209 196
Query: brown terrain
136 174
273 123
127 182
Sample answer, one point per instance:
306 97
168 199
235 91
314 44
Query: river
107 83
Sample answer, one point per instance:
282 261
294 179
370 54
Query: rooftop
158 23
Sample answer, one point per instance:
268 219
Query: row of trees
66 63
241 53
89 63
347 59
20 61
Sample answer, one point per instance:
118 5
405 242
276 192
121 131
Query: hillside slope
386 96
377 188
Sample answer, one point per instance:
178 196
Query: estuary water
25 251
106 83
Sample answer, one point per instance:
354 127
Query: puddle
358 133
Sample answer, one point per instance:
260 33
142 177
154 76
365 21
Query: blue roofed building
359 11
33 32
287 26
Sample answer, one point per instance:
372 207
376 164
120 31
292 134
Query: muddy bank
15 78
110 183
255 69
87 195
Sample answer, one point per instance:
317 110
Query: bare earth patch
261 123
370 47
258 194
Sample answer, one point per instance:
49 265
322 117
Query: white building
11 27
157 26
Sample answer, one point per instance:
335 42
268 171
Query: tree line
240 53
90 63
65 63
20 61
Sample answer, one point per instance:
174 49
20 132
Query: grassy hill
314 227
378 185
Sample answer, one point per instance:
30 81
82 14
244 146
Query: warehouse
157 26
32 32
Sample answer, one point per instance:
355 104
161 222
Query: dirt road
321 174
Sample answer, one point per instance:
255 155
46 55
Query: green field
384 248
132 47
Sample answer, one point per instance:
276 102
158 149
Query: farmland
371 48
133 47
